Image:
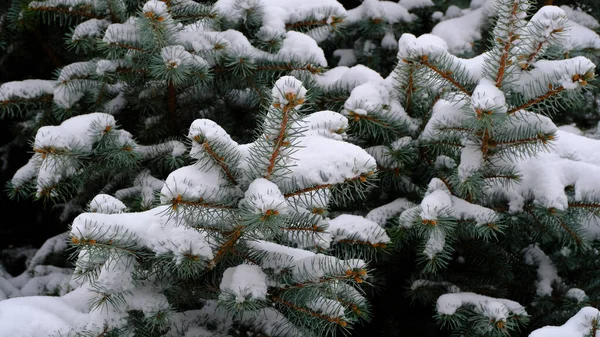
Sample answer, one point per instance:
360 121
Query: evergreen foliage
222 177
496 210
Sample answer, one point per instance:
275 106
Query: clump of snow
413 4
106 204
576 294
581 17
262 195
460 32
497 309
327 307
206 183
388 11
156 7
426 44
547 273
89 28
286 87
302 48
357 228
175 56
487 97
122 32
153 230
26 89
276 14
244 281
383 213
347 58
348 78
580 325
54 145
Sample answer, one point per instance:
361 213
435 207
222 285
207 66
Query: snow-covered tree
241 240
492 208
510 213
155 66
467 32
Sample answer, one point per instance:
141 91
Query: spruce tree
507 219
241 242
157 66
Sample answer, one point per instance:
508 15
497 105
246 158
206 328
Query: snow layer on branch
271 247
176 56
79 132
327 307
208 131
244 281
61 3
348 78
488 97
411 47
356 228
573 161
438 202
277 13
580 325
26 89
301 48
72 83
412 4
122 32
385 212
315 267
263 195
320 160
89 28
534 83
546 271
388 11
104 66
106 204
54 244
328 124
582 18
577 294
497 309
195 182
154 230
581 37
76 134
460 32
288 86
